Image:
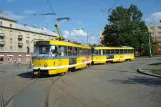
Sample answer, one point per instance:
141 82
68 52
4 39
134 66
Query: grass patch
156 71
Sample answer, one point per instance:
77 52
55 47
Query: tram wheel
72 69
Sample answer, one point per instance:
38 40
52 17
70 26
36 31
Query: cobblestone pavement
109 85
13 79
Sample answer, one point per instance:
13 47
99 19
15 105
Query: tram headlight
45 65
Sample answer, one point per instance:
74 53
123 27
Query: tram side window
75 51
117 51
129 51
104 52
69 51
107 51
62 51
99 52
89 52
79 51
83 51
65 51
96 52
121 51
132 51
86 52
112 51
125 51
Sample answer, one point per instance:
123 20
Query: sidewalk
147 69
13 79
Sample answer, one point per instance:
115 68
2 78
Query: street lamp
150 46
150 43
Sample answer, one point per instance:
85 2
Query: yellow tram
101 55
54 57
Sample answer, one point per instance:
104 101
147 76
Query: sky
88 17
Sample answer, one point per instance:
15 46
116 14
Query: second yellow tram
111 54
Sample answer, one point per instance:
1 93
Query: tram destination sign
42 43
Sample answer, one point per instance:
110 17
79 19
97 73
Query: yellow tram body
101 55
59 57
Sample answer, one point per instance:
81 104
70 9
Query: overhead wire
50 6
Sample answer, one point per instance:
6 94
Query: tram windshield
45 50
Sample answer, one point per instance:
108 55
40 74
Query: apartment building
156 36
101 38
15 38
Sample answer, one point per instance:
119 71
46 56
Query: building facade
15 38
155 31
101 38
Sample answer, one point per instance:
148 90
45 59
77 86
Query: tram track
13 96
54 80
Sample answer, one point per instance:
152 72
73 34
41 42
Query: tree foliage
126 28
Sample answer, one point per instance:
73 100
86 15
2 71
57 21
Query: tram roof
63 43
113 48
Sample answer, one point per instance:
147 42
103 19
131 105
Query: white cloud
29 11
79 36
79 32
154 18
10 1
66 34
13 15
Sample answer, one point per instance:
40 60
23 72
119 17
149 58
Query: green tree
126 28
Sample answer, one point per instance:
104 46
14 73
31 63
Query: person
53 50
19 61
15 61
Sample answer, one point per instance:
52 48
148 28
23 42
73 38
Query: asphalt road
109 85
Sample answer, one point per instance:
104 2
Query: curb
139 70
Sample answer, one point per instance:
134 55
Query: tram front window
41 50
45 50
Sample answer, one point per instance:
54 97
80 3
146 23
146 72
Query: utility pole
149 46
87 38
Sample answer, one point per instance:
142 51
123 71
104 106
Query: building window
11 48
10 25
0 23
159 33
159 27
152 33
27 41
10 40
1 47
159 38
151 28
153 38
